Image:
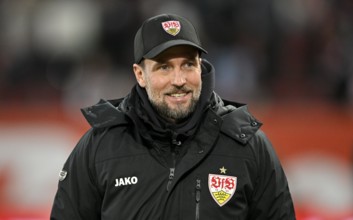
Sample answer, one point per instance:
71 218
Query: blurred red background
291 61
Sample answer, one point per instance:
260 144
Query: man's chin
180 108
180 113
175 112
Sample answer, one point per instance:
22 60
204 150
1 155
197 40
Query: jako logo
124 181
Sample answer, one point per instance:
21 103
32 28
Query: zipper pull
175 142
198 198
171 177
198 190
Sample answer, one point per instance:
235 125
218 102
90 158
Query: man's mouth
178 94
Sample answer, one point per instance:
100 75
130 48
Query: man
172 148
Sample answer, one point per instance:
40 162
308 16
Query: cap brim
162 47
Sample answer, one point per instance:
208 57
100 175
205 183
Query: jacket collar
107 113
238 123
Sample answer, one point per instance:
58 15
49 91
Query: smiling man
172 148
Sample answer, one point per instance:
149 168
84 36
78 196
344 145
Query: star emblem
223 170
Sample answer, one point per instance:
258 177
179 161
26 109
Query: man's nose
179 78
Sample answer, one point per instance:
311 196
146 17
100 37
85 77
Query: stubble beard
178 113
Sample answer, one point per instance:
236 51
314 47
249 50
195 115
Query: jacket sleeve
271 199
77 196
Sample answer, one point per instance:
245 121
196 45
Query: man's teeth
178 94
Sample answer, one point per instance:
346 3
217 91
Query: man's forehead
182 51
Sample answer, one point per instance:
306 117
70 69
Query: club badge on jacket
222 187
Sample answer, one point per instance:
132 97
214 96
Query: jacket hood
106 112
237 123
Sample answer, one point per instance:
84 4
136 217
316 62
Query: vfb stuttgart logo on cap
171 27
222 187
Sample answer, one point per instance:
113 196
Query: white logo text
124 181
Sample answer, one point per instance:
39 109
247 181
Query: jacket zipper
198 198
175 144
171 172
171 177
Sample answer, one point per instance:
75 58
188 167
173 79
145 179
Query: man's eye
164 67
190 64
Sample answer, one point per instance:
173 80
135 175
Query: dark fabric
120 170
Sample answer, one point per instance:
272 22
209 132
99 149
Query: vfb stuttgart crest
222 187
171 27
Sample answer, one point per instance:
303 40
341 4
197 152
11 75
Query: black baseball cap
161 32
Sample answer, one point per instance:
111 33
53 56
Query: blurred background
291 61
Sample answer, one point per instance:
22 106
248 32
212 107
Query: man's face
172 81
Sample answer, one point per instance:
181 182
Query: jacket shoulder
239 123
105 114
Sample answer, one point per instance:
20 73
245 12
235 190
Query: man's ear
139 74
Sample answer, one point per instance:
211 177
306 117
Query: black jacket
126 167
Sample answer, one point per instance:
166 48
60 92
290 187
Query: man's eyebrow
160 60
187 56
